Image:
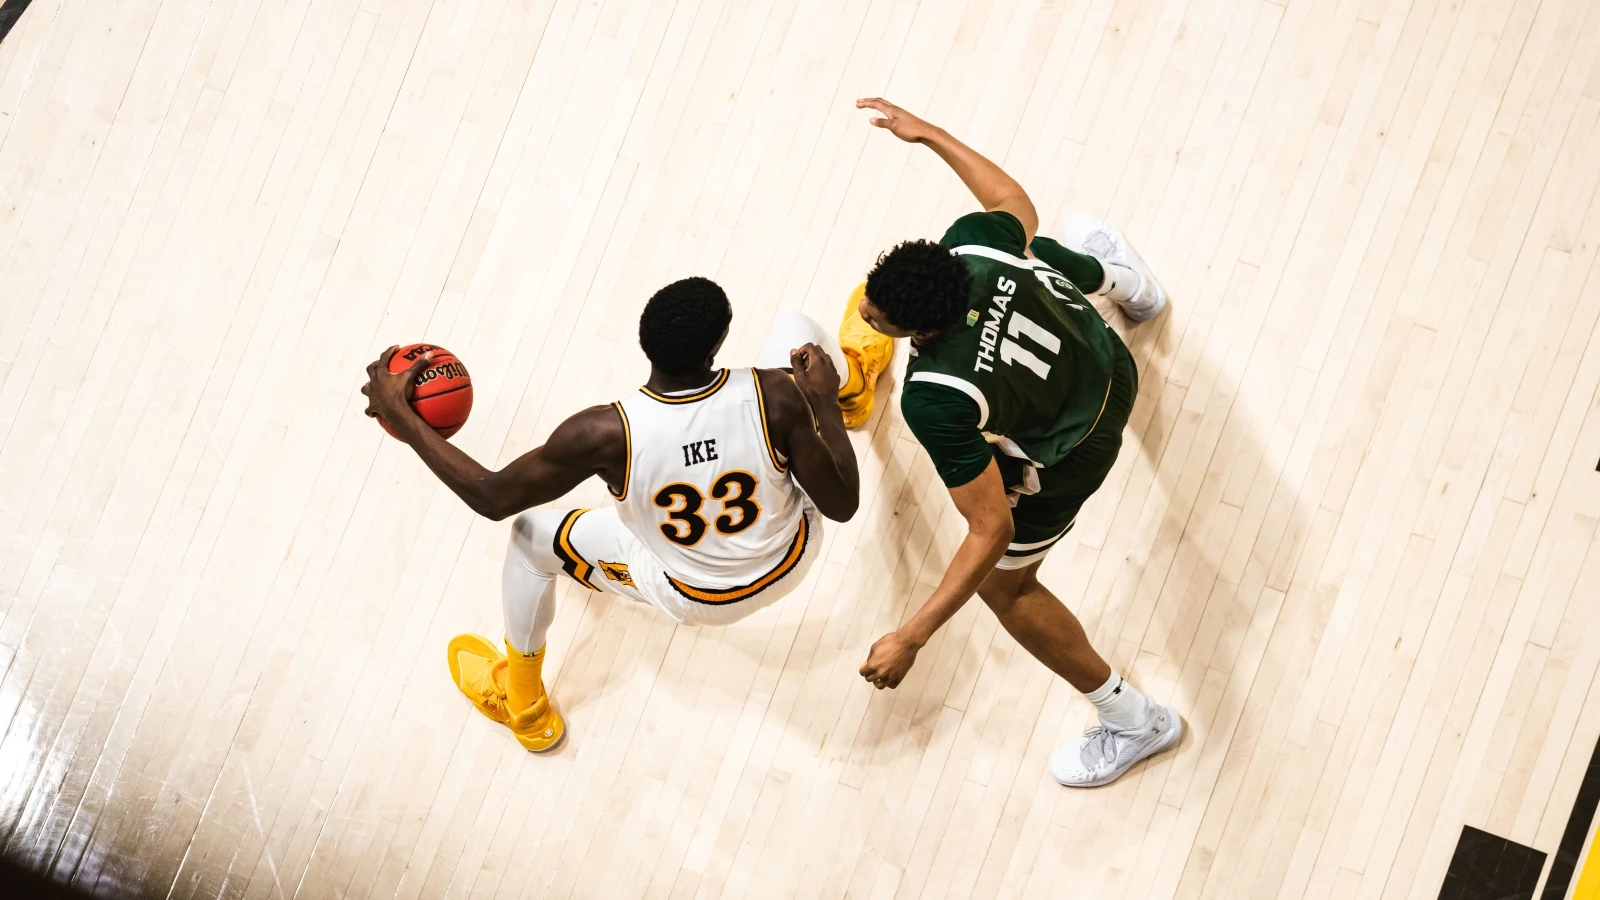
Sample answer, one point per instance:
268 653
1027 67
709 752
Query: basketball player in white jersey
720 476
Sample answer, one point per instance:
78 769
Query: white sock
528 579
1120 284
1121 706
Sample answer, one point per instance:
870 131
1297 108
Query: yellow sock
524 678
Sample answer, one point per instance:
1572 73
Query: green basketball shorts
1044 518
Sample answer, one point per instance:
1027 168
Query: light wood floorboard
1352 535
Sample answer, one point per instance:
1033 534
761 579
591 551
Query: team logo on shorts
617 572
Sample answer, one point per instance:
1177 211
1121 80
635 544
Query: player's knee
1004 587
999 601
533 536
523 528
1000 595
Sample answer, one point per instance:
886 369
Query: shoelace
488 688
1100 243
1099 747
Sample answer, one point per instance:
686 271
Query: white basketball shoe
1103 754
1095 237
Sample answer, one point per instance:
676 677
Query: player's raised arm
590 442
997 191
819 450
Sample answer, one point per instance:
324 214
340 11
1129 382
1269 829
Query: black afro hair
682 323
920 286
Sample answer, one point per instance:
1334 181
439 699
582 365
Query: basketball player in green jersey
1019 391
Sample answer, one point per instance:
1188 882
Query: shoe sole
547 747
1167 743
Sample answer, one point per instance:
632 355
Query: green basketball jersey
1032 356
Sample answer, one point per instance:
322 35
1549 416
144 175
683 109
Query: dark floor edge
1577 831
9 14
1489 867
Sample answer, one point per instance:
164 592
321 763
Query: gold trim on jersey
766 433
627 459
701 394
1103 401
571 562
797 550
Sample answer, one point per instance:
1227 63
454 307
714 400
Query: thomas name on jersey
1017 326
991 328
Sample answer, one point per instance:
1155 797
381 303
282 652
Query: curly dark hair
920 286
682 323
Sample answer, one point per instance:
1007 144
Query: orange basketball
443 391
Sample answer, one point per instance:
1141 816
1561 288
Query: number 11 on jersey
1012 352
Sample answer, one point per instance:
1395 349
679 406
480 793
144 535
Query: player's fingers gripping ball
441 393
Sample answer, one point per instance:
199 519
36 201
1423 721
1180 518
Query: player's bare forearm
989 183
826 472
804 411
974 560
463 475
982 502
830 427
825 463
579 447
997 191
989 529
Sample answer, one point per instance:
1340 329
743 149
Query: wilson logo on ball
448 370
442 393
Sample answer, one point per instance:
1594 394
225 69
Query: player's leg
790 330
509 687
1083 270
1124 278
859 354
1050 633
1132 726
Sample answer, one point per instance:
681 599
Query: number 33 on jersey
705 489
685 526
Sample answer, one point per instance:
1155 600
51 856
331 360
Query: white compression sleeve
790 330
528 580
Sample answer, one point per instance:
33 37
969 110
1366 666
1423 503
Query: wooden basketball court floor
1352 536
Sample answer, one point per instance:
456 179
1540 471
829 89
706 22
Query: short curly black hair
682 323
920 286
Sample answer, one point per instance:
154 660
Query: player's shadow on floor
1215 531
1206 539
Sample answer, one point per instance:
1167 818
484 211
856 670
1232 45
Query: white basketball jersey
707 493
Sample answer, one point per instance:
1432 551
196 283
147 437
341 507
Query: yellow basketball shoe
486 677
867 353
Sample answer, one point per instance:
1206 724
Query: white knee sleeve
790 330
528 579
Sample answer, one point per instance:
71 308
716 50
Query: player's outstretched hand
814 374
389 393
889 660
900 123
